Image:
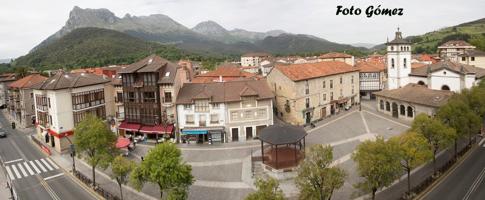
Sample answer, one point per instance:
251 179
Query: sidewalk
4 189
104 180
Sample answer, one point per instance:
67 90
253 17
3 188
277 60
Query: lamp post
73 153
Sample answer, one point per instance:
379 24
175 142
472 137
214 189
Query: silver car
3 133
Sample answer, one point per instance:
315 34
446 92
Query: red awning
157 129
122 143
129 127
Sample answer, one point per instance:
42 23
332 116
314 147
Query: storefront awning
129 127
157 129
194 132
122 143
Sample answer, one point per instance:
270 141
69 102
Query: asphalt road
33 174
466 182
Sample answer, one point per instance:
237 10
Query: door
249 133
53 143
235 134
308 117
395 112
323 112
332 110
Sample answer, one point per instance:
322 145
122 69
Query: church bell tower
398 61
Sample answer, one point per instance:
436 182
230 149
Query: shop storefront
203 135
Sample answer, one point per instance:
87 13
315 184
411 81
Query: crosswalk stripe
16 171
35 167
47 164
22 169
41 166
10 173
52 163
28 168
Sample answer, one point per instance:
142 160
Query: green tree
267 190
95 141
437 134
316 178
377 163
413 151
163 166
474 98
121 167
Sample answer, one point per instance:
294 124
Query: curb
446 174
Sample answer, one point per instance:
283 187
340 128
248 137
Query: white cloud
25 23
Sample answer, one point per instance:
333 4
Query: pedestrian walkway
18 169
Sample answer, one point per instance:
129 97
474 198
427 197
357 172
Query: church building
411 91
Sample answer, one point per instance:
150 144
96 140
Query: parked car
3 133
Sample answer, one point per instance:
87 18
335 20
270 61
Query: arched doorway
420 83
402 110
410 112
395 112
445 87
388 106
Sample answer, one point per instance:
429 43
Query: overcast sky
25 23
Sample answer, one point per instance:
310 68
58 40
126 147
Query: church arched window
402 110
410 111
392 63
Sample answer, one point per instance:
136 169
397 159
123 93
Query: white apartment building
253 59
63 100
452 49
224 111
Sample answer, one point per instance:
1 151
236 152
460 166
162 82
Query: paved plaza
223 171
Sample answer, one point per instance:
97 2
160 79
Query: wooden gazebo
287 146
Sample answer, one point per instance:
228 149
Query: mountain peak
209 28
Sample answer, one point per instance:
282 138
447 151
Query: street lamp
73 153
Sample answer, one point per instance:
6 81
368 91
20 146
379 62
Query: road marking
22 170
12 161
41 166
54 176
52 163
16 171
34 166
473 187
28 168
10 173
365 122
46 164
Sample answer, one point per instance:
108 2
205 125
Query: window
189 119
261 113
202 106
405 63
307 88
323 84
50 120
352 89
324 97
215 106
307 102
131 97
214 118
331 84
235 116
248 114
82 100
463 58
168 97
388 106
149 97
352 79
248 101
341 81
402 110
381 104
410 111
331 96
187 107
49 102
392 63
119 97
472 58
31 95
392 48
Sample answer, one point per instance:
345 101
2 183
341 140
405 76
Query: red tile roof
335 55
28 81
370 66
228 72
298 72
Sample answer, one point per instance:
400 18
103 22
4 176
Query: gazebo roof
282 134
